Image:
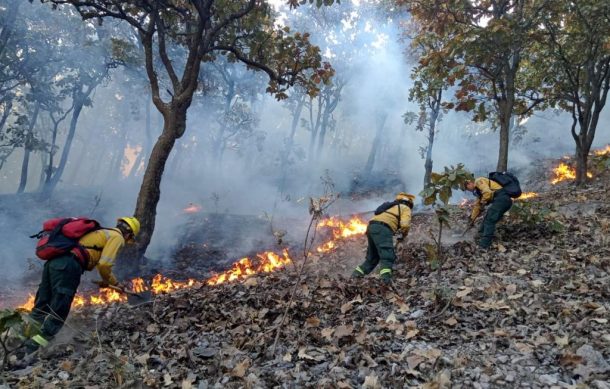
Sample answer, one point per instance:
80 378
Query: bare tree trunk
150 191
376 143
7 29
28 146
290 143
78 106
146 147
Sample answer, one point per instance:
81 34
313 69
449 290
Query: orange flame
604 151
192 208
527 195
565 172
265 262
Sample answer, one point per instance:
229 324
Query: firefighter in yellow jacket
487 192
389 219
61 276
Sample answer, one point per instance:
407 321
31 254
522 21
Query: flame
192 208
265 262
565 172
463 203
29 304
604 151
527 195
340 230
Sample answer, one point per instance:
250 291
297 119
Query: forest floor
531 312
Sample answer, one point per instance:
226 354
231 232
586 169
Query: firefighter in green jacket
61 277
488 192
380 231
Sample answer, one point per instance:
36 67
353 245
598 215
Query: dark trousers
60 279
380 248
498 207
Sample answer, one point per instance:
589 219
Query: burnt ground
531 312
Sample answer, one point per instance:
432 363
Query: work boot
30 346
386 276
358 273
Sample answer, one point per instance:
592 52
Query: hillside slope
531 312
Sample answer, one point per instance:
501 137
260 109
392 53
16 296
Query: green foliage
442 184
533 215
19 322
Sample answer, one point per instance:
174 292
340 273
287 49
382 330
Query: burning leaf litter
265 262
514 319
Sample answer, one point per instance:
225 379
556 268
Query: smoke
234 160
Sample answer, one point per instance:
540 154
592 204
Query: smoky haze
233 157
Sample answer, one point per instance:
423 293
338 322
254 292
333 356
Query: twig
314 217
442 310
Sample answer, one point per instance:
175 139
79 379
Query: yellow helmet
132 222
405 196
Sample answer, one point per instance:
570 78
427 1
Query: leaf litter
531 312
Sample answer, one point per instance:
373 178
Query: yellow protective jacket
109 241
390 217
486 187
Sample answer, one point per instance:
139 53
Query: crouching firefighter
498 190
70 246
390 218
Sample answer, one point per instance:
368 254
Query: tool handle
113 287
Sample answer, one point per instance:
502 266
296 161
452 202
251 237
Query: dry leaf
391 319
411 333
328 332
312 321
346 307
240 369
303 354
343 330
463 293
371 382
451 321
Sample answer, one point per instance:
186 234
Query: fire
341 229
565 172
604 151
29 304
192 208
265 262
527 195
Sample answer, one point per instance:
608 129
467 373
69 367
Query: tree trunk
7 30
322 135
49 169
28 146
504 118
376 143
435 110
78 106
582 156
290 143
150 191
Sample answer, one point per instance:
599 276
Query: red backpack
60 236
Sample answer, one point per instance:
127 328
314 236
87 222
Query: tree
205 29
575 62
427 92
489 40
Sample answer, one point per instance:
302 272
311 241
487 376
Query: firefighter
61 276
487 192
390 218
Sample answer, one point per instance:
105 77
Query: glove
101 284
